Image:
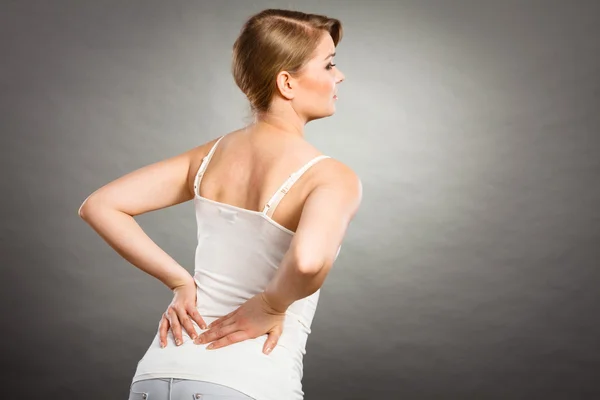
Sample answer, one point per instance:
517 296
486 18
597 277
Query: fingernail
211 346
268 350
162 345
194 337
178 342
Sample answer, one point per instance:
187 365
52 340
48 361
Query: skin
318 208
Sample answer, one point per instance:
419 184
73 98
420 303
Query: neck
284 121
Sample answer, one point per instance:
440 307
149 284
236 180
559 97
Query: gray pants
182 389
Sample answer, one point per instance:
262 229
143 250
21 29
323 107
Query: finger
272 340
223 321
218 320
186 322
163 329
217 333
175 326
223 324
195 315
232 338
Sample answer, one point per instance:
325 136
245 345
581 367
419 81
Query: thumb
272 340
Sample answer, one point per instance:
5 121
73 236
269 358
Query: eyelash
330 65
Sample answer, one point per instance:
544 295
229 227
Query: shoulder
196 154
195 157
335 176
203 149
336 172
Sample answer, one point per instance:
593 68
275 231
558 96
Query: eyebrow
331 55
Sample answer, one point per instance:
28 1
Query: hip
175 389
241 366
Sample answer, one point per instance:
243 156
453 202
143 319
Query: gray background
472 268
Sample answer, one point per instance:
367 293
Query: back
248 167
238 187
246 170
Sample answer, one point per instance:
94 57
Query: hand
178 314
252 319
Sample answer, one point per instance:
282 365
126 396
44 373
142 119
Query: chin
327 112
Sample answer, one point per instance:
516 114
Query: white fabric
238 253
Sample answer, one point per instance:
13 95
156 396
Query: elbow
85 209
312 260
309 265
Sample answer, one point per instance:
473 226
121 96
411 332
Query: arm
327 212
110 211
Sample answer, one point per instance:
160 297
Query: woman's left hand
252 319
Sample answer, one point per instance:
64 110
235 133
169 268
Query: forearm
127 238
291 282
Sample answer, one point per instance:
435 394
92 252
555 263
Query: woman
264 248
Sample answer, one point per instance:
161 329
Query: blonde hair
272 41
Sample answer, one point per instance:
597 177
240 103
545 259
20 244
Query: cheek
327 86
321 87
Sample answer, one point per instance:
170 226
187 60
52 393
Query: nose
340 76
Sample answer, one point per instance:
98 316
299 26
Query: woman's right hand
180 313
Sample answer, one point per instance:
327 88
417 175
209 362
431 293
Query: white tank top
237 254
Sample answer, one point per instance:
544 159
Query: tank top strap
203 167
285 187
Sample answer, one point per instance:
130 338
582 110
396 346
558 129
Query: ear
285 84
